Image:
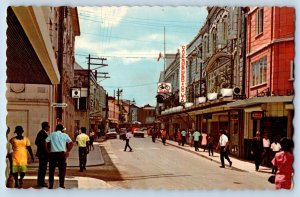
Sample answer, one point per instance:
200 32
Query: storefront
272 116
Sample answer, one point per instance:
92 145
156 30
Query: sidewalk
94 158
237 164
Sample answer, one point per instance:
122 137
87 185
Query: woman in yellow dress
20 145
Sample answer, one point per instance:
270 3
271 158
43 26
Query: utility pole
119 92
60 51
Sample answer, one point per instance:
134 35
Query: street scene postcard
162 97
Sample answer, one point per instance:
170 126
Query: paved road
155 166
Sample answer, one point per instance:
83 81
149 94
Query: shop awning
261 100
30 56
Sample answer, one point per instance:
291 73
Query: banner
182 74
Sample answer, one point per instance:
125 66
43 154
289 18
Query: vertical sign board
182 74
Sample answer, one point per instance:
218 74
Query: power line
131 86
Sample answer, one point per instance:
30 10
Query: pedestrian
82 141
224 148
210 145
266 151
153 134
128 136
8 170
196 136
284 163
257 150
275 148
204 140
59 145
42 154
183 137
179 137
92 139
20 146
164 136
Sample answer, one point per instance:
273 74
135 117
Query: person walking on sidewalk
179 137
128 136
183 137
196 136
20 146
164 136
284 162
266 153
42 154
204 140
275 147
92 139
59 145
257 149
210 145
82 141
224 148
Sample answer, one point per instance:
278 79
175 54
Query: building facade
269 74
47 35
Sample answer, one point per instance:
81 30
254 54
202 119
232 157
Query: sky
131 39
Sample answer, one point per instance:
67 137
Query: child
284 163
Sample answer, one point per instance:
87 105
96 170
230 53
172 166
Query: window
214 45
259 21
292 74
259 71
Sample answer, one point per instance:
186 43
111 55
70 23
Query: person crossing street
128 136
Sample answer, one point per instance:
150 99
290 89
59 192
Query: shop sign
267 92
257 115
182 74
164 88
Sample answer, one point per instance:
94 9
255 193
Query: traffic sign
59 104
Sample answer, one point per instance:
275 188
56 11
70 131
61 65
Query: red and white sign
164 88
182 74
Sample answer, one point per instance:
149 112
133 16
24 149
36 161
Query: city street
153 165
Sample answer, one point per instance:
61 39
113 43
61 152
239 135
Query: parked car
139 133
111 133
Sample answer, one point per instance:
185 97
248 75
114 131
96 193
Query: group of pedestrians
53 148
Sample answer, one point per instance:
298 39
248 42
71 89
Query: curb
204 156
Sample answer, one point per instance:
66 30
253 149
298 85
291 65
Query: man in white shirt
128 136
224 149
266 154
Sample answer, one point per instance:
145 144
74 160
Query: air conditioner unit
75 92
237 91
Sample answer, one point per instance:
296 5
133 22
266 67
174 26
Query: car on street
111 133
139 133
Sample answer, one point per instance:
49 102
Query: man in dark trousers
42 154
59 145
83 148
224 148
257 150
128 136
